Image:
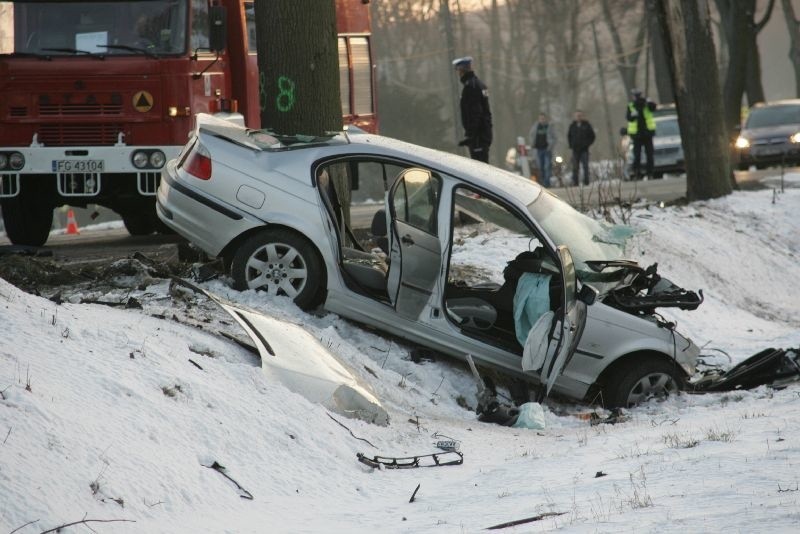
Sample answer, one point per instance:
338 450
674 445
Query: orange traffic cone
72 225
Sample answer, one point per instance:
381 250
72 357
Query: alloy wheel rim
653 385
278 269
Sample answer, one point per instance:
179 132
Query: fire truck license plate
78 165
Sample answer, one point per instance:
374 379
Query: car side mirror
587 294
217 28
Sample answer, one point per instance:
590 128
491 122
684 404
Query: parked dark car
770 136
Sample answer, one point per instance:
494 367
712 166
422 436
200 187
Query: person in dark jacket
580 137
641 129
476 117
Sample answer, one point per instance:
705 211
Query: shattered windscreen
587 238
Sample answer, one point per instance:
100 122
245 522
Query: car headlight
16 161
140 159
795 138
742 142
157 159
3 161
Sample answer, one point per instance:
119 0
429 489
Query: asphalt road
103 245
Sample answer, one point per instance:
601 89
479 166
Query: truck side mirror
217 28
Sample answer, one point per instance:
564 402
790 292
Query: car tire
280 262
138 223
640 380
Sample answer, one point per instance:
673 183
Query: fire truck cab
96 96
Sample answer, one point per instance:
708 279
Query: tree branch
763 22
82 521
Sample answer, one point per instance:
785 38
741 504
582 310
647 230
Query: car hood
783 130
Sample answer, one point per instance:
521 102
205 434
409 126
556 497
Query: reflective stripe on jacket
649 120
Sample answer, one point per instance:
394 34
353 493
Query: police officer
476 117
641 129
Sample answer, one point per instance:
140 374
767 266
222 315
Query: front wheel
280 262
639 381
27 219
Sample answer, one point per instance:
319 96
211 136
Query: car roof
352 143
775 103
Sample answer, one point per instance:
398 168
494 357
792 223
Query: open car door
416 253
553 340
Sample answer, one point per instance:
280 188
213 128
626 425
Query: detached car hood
643 290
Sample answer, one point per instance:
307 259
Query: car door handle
406 239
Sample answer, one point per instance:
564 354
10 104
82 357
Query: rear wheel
27 219
139 223
280 262
639 381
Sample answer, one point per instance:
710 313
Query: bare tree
299 88
627 60
686 31
793 24
660 66
743 73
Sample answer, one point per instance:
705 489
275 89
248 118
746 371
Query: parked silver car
448 253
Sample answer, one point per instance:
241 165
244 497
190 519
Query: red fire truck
95 97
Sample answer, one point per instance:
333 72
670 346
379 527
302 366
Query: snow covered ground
104 417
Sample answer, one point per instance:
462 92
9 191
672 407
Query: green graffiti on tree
286 97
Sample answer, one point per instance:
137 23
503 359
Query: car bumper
203 220
771 155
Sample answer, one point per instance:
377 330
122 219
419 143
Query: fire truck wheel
27 222
138 223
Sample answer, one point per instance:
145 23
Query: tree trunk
793 26
450 43
688 41
660 67
753 85
298 62
628 61
735 24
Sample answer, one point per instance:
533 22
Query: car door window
500 277
416 200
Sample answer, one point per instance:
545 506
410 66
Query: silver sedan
446 252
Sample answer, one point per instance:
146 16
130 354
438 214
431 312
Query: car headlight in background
795 138
16 161
3 161
741 142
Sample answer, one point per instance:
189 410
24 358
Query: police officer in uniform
641 129
476 117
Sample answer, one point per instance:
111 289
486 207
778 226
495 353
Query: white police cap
462 61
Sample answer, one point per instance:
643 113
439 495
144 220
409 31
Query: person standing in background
476 117
641 130
543 139
580 137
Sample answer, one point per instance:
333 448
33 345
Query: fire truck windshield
141 27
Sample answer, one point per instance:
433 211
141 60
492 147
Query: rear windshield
773 116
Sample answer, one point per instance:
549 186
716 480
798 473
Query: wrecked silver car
454 255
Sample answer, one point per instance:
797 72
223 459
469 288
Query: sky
112 414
